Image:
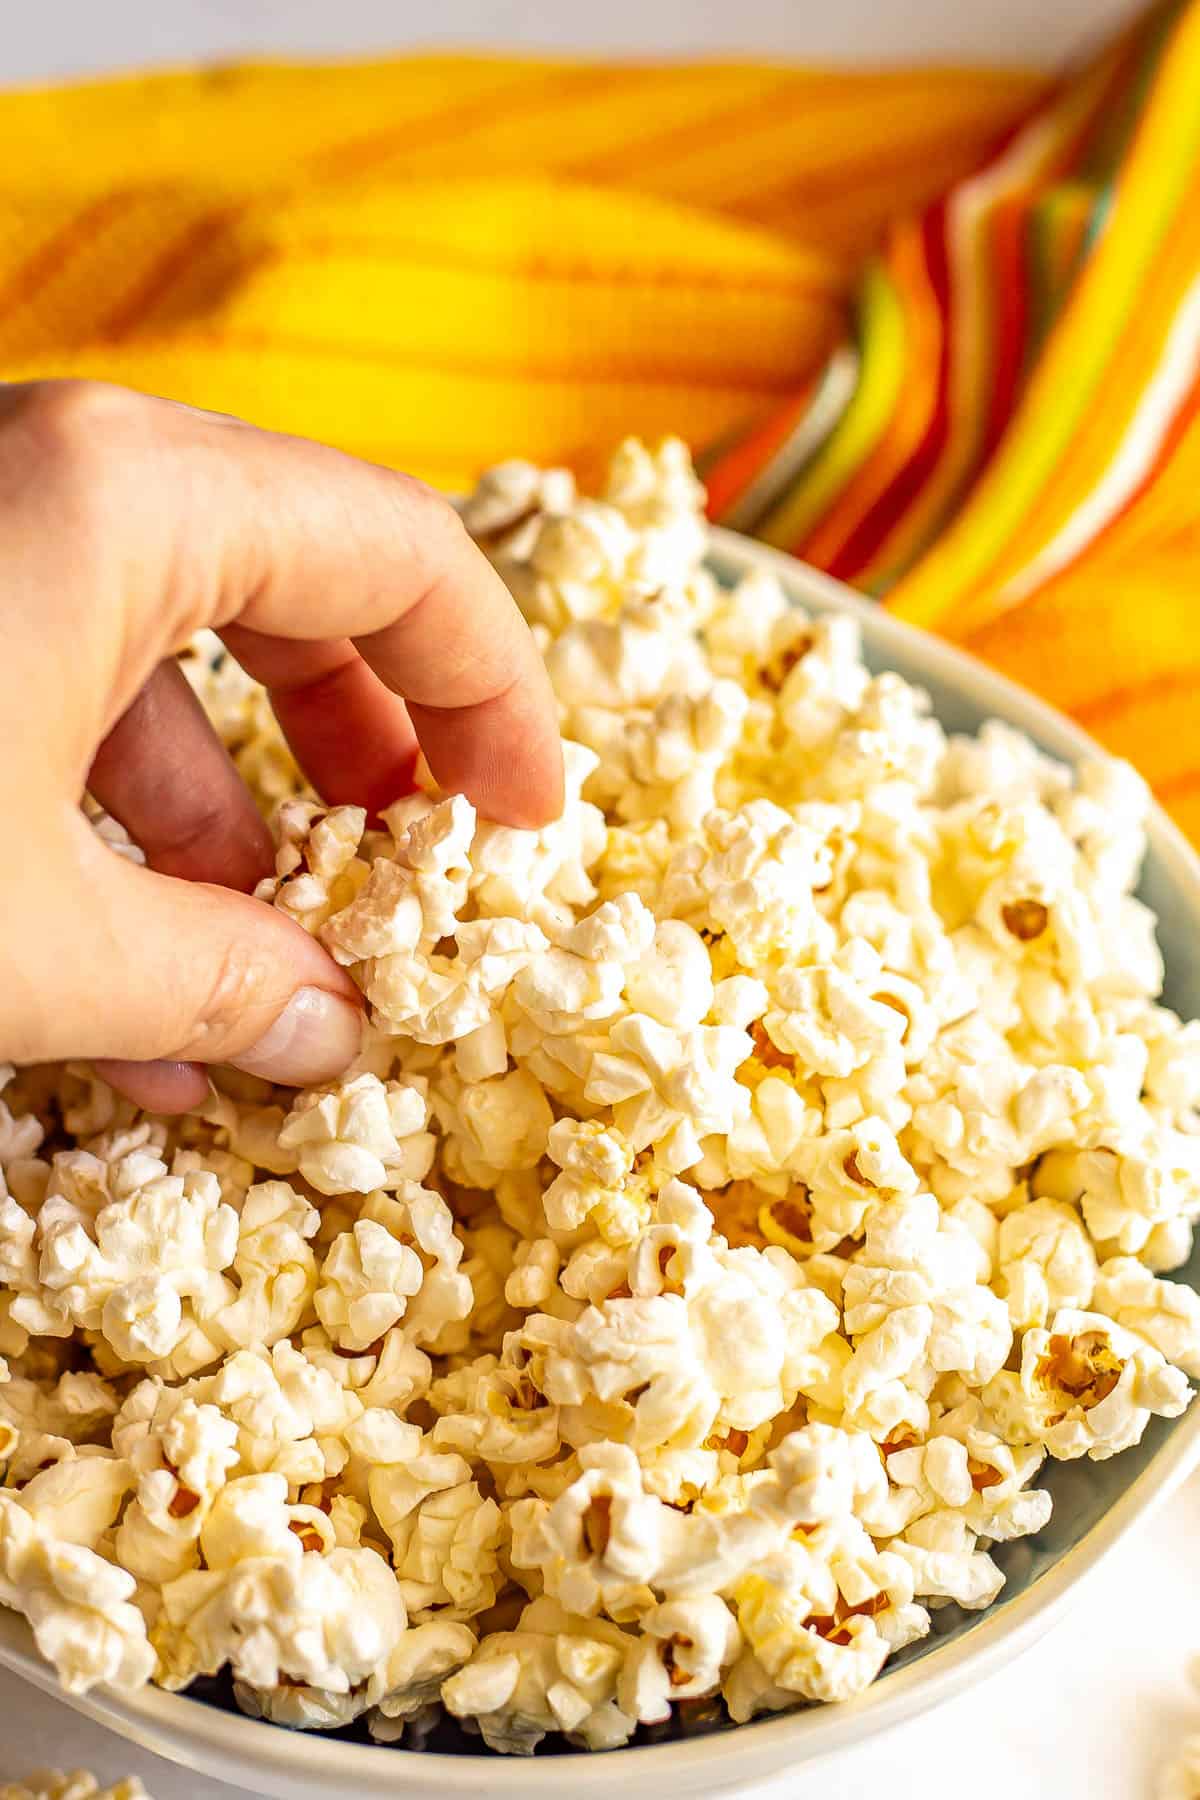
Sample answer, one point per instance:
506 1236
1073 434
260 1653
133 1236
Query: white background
1092 1711
44 38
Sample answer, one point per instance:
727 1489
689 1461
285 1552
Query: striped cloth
938 331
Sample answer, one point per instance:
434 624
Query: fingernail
313 1039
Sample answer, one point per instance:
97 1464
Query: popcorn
52 1784
813 1652
78 1605
317 867
1046 1260
1180 1780
492 1126
410 1681
243 719
1086 1387
359 1134
445 1551
917 1274
941 1552
289 1416
1165 1313
553 1673
20 1137
745 1184
276 1603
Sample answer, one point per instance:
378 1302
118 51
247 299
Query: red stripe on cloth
1008 243
732 472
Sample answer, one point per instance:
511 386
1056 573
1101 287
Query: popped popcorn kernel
52 1784
747 1185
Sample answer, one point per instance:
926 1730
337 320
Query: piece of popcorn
1165 1313
300 1706
124 1247
1125 1196
400 1262
813 1652
966 1467
690 1644
276 1599
1180 1779
290 1415
751 875
666 761
317 867
434 998
507 501
445 1552
1086 1387
242 716
52 1784
360 1134
671 1088
181 1453
491 1127
77 1498
21 1134
607 1543
110 831
597 1184
913 1298
78 1605
941 1552
553 1673
406 1684
1046 1260
543 876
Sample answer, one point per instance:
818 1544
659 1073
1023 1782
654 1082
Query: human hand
351 592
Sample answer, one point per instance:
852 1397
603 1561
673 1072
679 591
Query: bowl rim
222 1743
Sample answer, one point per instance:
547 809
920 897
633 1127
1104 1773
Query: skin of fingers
351 735
421 602
137 966
288 538
158 1087
164 773
493 746
128 524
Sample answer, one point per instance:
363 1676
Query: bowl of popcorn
741 1287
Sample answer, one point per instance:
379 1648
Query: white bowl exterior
304 1766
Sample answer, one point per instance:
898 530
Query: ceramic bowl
1095 1504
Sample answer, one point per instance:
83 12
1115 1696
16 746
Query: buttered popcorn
750 1185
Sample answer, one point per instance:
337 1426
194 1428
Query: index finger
225 525
359 551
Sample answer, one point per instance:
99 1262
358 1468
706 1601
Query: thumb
140 966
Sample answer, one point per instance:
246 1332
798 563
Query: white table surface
1090 1711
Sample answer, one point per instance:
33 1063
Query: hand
352 592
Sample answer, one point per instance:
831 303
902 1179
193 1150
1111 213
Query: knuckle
434 523
239 1003
74 421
